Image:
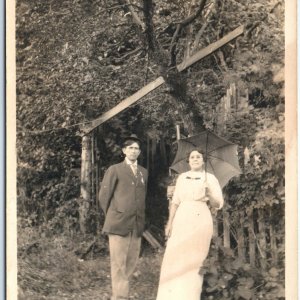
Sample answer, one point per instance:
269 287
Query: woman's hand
205 199
168 230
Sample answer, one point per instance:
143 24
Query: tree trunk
153 156
163 152
226 229
148 152
241 238
96 168
176 83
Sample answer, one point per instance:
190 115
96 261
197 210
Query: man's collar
128 162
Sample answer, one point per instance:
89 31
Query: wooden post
241 238
238 100
247 95
218 118
228 104
96 167
233 98
226 229
177 132
252 242
273 243
225 108
93 193
224 114
85 187
262 238
152 241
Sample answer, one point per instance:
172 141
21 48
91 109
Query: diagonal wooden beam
159 81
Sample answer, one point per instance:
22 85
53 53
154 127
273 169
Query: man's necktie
134 169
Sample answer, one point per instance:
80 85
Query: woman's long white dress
190 239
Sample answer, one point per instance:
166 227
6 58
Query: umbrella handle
205 184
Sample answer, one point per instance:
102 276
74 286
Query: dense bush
228 277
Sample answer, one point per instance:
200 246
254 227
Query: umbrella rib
212 167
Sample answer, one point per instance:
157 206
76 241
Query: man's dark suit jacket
122 198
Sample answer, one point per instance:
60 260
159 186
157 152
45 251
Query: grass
51 268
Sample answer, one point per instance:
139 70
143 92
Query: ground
53 268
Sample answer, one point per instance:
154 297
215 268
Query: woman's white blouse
190 186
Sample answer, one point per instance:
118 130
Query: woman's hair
195 149
129 142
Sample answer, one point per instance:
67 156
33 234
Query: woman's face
195 160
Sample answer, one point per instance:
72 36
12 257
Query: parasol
220 155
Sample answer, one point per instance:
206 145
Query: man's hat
132 137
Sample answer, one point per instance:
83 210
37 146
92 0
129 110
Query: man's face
132 152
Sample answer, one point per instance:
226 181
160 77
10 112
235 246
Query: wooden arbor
87 157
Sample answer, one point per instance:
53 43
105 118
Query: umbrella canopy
220 155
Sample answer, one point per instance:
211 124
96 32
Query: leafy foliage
228 277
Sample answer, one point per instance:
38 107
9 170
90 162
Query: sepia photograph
152 151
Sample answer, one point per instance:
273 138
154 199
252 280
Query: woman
189 231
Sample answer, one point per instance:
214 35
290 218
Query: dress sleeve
215 192
177 191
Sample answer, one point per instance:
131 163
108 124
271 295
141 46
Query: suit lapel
128 170
139 179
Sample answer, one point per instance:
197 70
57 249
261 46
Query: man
122 198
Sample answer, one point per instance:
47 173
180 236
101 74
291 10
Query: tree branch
200 32
173 45
220 54
180 26
149 30
119 59
191 18
135 16
189 33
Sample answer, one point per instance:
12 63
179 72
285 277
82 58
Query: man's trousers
124 254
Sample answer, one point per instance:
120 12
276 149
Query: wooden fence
251 235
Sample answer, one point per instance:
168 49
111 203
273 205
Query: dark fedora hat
132 137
